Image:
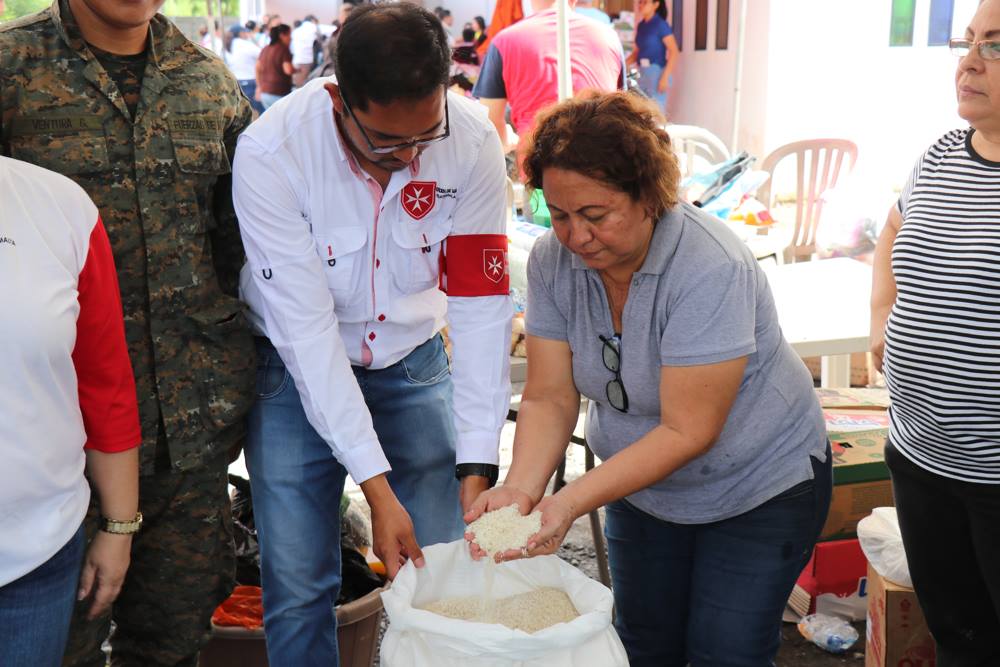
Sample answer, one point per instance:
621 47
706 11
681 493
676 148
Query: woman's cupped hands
557 517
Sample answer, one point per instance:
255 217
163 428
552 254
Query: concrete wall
705 81
833 73
814 68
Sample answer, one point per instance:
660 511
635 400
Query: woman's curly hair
616 138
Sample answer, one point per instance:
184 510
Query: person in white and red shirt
372 210
67 402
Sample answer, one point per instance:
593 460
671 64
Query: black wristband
487 470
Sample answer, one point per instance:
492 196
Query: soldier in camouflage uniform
150 136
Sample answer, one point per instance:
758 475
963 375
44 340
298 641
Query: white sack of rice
504 529
530 612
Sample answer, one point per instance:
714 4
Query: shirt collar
168 48
663 244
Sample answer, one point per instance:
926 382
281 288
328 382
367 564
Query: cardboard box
833 582
860 477
897 633
854 398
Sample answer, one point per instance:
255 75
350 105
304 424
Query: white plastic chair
820 164
694 145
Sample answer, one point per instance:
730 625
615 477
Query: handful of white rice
530 612
505 529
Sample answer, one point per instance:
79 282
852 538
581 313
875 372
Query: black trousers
951 534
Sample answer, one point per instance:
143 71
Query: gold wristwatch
122 527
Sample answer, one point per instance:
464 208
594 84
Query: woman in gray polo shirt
716 472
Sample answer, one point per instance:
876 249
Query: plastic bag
735 190
882 543
418 638
852 214
828 632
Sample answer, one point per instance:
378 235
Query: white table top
823 305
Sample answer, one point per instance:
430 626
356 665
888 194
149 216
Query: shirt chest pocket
416 249
342 250
200 164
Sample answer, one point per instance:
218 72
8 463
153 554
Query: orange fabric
507 13
243 609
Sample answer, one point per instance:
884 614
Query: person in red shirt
518 67
274 67
67 404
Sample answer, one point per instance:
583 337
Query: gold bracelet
122 527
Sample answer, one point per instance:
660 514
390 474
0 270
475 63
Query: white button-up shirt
339 272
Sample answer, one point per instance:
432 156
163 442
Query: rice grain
504 529
530 612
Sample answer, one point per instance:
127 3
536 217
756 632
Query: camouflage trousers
182 567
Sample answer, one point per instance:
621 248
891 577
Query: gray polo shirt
699 298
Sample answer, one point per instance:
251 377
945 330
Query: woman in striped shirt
936 323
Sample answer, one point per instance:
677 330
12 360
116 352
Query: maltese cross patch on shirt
418 198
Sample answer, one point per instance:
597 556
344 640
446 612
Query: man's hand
104 569
664 84
392 530
471 487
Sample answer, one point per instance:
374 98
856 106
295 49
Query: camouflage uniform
161 179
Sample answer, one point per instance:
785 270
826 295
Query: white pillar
565 69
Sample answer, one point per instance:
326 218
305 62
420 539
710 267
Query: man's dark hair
468 35
279 30
391 52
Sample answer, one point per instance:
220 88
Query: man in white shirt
372 209
303 56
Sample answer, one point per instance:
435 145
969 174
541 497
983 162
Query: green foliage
18 8
198 7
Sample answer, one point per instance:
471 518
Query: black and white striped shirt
942 353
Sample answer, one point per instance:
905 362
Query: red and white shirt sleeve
476 277
104 377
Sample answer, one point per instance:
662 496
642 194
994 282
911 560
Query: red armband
475 265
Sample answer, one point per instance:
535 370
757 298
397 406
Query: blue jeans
297 483
712 594
649 82
267 99
249 88
35 610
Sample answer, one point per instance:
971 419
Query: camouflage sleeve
6 96
227 248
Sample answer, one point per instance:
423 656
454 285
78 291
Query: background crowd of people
260 53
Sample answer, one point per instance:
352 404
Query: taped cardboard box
897 633
860 477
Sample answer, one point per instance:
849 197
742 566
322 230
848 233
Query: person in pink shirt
520 67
